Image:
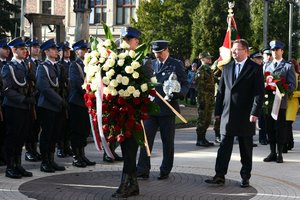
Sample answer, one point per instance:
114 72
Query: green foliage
7 24
168 20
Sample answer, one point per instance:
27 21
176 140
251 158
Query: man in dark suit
239 101
163 67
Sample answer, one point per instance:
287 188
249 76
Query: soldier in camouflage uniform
205 86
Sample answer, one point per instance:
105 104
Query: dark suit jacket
237 100
163 74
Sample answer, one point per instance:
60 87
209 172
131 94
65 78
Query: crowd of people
43 107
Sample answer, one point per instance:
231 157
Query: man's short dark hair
243 42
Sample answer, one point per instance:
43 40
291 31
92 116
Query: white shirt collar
16 59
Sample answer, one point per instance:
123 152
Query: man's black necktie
23 64
275 64
160 65
36 63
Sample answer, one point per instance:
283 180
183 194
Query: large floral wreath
117 76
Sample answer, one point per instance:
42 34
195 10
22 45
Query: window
46 7
125 10
98 13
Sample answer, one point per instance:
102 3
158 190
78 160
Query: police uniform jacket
34 64
47 84
76 78
286 70
163 74
14 85
237 100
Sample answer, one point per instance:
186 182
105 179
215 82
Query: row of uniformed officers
39 98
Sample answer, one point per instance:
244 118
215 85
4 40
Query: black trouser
262 126
2 137
225 151
276 129
17 124
64 135
79 126
129 150
167 133
34 130
50 123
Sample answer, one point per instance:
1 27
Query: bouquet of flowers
125 90
271 81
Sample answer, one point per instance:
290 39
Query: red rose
86 96
105 107
121 100
89 103
105 128
146 100
105 119
120 138
123 110
138 127
283 80
267 73
121 120
144 109
109 97
127 134
111 139
285 86
88 87
136 101
144 116
92 96
152 93
130 123
114 109
116 129
130 110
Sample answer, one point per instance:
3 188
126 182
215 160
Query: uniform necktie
36 63
23 64
160 65
237 71
275 64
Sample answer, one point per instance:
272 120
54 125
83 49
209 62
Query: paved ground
192 165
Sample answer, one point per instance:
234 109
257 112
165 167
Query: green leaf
153 108
108 34
94 43
141 52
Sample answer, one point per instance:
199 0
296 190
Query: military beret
256 54
275 44
63 46
32 42
16 43
159 45
130 32
205 55
3 43
81 44
48 44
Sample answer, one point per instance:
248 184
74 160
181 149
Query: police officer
164 65
31 154
50 105
205 86
17 104
4 54
63 143
79 118
267 58
257 57
276 128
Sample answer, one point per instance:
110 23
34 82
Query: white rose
94 60
124 45
121 92
136 93
135 64
122 55
102 60
130 89
111 62
274 92
119 78
95 53
131 54
105 91
126 93
84 86
104 54
135 75
107 43
128 69
153 79
113 55
99 45
87 56
121 62
94 85
125 80
114 92
105 80
144 87
105 67
111 72
266 96
113 83
266 102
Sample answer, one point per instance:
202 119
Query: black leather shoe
57 167
12 173
254 145
271 157
106 158
204 143
47 167
263 142
245 183
279 159
78 162
23 172
87 161
162 176
142 175
216 180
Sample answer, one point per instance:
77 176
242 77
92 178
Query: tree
210 24
168 20
7 24
278 23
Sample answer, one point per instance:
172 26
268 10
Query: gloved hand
177 95
29 100
30 77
